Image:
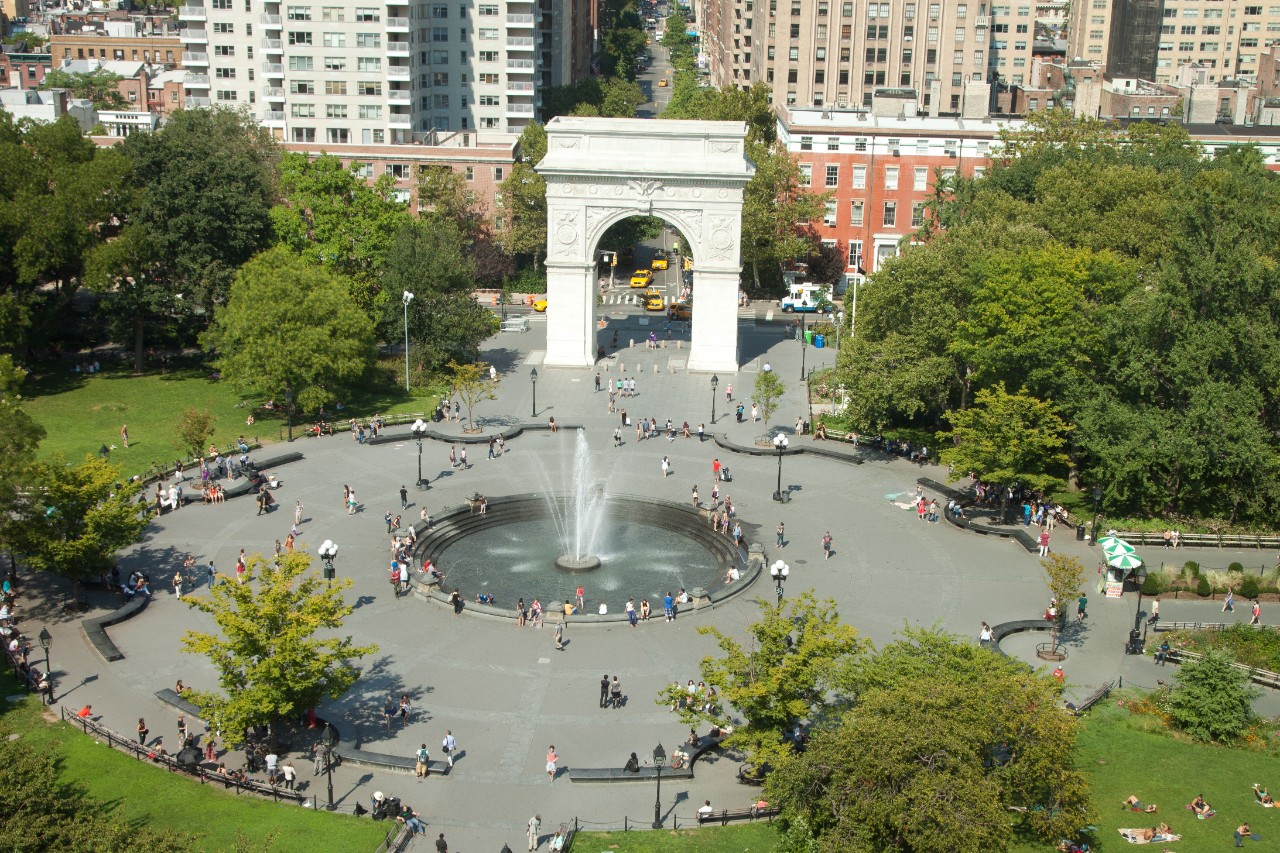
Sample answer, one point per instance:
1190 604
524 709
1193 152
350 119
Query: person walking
317 759
715 469
1044 542
404 497
1228 603
453 457
615 692
826 545
143 731
297 512
442 846
449 744
422 762
124 435
666 467
782 534
1257 612
462 460
559 635
1082 604
581 596
604 690
695 495
534 828
290 774
552 758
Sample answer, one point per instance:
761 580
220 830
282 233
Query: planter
472 431
1045 651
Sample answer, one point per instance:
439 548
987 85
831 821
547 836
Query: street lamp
780 445
715 381
407 297
46 642
659 759
328 550
330 741
839 323
533 381
419 429
1097 504
804 346
779 571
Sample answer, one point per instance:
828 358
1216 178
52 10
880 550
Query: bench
946 491
1092 699
171 697
617 774
1024 537
1265 677
723 816
95 629
1216 540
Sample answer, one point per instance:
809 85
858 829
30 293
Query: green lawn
138 791
80 412
742 838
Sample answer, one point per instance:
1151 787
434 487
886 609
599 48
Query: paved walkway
502 690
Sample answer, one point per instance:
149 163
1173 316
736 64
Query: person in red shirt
86 712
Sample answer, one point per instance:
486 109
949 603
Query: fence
670 822
1260 570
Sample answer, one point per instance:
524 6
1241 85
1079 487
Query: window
806 143
370 63
855 255
855 212
1188 30
440 102
368 40
224 29
337 136
368 14
833 176
491 78
439 34
846 10
222 4
497 173
921 178
335 110
488 11
890 214
302 63
370 111
224 73
833 143
302 87
890 177
829 218
303 134
334 40
859 177
226 95
489 101
299 37
860 144
369 89
488 33
303 110
488 56
332 13
335 87
298 13
917 214
806 174
334 63
224 50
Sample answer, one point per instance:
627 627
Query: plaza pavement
505 693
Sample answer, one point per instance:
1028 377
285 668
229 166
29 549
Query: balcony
517 88
192 58
398 47
194 103
273 115
273 69
519 110
192 13
398 72
272 46
520 66
271 22
399 96
982 21
397 25
400 120
190 36
520 20
196 81
273 93
520 43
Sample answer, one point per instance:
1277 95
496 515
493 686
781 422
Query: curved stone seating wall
95 629
478 438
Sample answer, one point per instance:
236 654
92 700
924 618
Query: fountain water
579 525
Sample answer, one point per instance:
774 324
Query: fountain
580 526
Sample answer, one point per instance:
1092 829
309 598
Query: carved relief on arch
722 237
566 235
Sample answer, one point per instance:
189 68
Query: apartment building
118 41
388 73
838 53
23 70
1150 39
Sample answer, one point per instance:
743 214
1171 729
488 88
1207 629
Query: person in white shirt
705 810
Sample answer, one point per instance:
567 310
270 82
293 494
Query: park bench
946 491
384 761
617 774
1092 699
723 816
171 697
95 628
1265 677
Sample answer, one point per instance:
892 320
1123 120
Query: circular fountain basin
568 563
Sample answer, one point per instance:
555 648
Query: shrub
1212 701
1153 585
1236 567
1203 589
1191 569
1249 587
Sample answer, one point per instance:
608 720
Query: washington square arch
690 174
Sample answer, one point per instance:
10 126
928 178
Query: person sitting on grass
1136 805
1264 799
1200 807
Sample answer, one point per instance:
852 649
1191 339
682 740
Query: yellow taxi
680 311
540 306
659 264
641 278
662 83
654 301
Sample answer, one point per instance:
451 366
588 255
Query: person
1200 807
142 730
552 758
569 609
580 595
1228 603
604 609
179 687
442 846
1136 805
782 534
87 711
1081 603
1242 832
705 810
449 744
1263 797
290 773
1059 674
1163 654
422 758
559 635
826 545
985 635
668 606
411 819
644 610
1256 614
615 693
731 575
534 828
406 708
632 618
632 765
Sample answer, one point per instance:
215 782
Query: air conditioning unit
896 152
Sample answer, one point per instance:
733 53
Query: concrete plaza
502 690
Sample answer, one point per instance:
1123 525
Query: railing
196 103
193 81
191 13
520 19
519 64
516 41
981 21
193 35
520 109
273 45
399 96
270 20
516 86
399 120
398 47
273 115
398 23
275 93
274 69
195 58
398 72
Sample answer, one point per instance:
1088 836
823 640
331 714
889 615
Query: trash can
1079 532
808 336
819 341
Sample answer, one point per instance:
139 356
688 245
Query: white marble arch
690 174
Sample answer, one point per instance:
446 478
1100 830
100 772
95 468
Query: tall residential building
840 53
1149 39
345 74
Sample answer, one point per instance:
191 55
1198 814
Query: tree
290 328
767 393
18 441
1065 576
621 98
943 738
270 662
195 427
785 673
1212 700
76 518
99 86
524 199
472 384
1008 438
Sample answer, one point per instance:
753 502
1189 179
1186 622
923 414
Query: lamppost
1097 503
779 445
328 550
330 741
659 759
407 297
779 571
46 642
419 429
715 381
804 346
533 381
839 323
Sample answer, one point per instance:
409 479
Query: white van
515 324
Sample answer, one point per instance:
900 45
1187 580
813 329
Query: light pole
779 445
839 323
659 759
419 429
46 643
408 297
1097 504
779 571
533 382
804 346
330 741
328 550
715 381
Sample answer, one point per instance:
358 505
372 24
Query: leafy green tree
76 518
563 100
767 393
99 86
277 649
289 327
943 738
18 442
621 98
1213 700
443 197
786 672
195 428
1009 438
472 384
1065 576
524 199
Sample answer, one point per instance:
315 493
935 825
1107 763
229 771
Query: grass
80 413
146 793
743 838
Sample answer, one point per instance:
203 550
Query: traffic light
688 264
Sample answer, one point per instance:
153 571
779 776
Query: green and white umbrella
1108 541
1116 547
1128 562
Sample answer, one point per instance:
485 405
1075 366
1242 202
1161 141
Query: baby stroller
725 476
